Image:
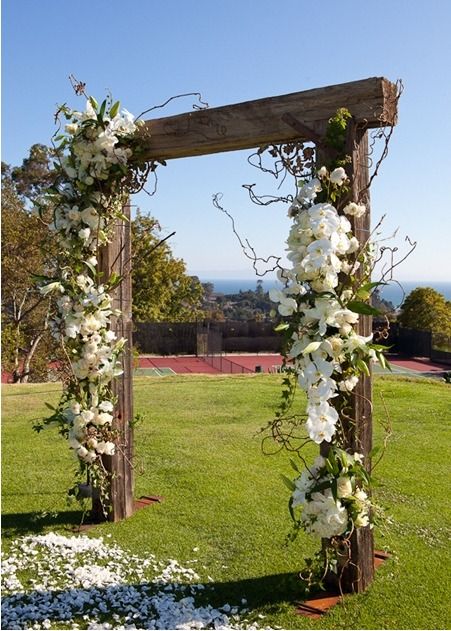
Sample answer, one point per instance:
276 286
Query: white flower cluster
96 147
53 581
82 220
83 226
324 513
321 246
88 199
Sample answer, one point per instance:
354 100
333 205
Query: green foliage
26 251
426 309
35 174
336 129
162 290
246 305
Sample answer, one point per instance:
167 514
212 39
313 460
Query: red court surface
419 364
236 364
270 363
232 364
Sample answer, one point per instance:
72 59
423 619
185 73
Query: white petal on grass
83 582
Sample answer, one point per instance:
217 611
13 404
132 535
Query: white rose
90 217
109 449
92 443
87 416
84 234
349 384
353 245
106 448
355 210
106 406
344 486
82 452
103 418
338 176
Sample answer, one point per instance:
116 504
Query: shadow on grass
266 592
147 601
20 524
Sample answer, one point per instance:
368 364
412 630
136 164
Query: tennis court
269 363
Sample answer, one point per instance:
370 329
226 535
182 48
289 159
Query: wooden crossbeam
267 121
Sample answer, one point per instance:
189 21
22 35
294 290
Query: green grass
197 447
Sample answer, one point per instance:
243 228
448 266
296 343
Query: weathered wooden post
358 564
116 258
359 572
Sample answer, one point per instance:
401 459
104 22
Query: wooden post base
320 604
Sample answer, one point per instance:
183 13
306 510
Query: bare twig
247 248
203 104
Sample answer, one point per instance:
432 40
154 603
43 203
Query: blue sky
145 51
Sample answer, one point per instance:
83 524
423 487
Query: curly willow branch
247 248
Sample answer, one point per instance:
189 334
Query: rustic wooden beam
116 258
264 121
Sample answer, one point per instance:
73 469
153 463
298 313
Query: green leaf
40 277
102 109
362 307
363 367
283 326
91 268
115 109
381 359
289 483
94 103
50 407
334 487
291 510
321 486
114 280
294 465
123 217
379 347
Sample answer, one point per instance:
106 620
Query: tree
35 174
381 304
26 344
426 309
162 290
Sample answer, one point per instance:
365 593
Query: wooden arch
292 117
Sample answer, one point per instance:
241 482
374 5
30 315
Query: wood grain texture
116 257
255 123
358 575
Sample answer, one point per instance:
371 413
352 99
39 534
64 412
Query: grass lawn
198 448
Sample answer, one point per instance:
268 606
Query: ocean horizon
395 292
